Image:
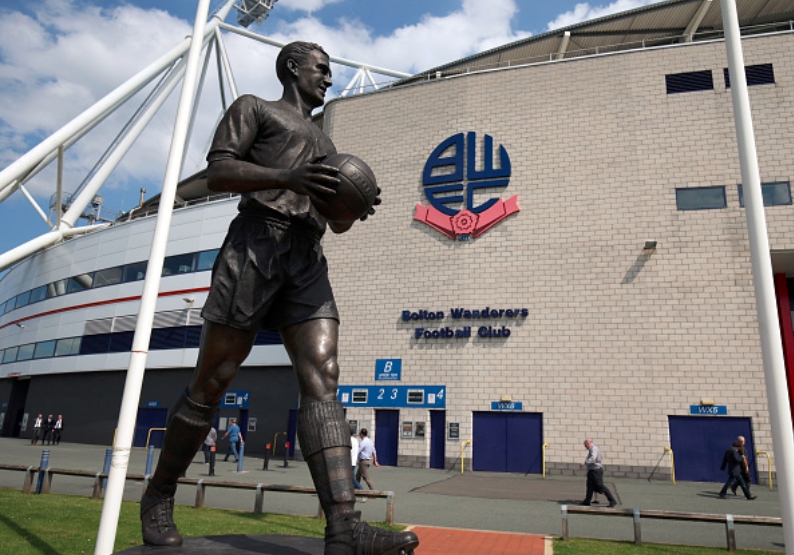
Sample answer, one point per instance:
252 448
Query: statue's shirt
273 135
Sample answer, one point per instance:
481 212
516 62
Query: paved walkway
452 541
426 498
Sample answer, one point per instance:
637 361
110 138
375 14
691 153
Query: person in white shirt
34 439
366 456
354 457
57 429
595 474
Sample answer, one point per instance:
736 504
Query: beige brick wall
615 340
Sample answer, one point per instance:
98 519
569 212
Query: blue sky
58 57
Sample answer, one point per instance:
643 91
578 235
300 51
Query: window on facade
774 194
22 299
38 294
68 346
79 283
135 272
109 276
10 354
57 288
689 82
26 351
179 264
206 259
168 338
45 349
700 198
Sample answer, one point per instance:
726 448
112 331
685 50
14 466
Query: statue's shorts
268 275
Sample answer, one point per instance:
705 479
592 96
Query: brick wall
616 339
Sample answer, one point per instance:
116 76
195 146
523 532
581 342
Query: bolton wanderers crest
451 180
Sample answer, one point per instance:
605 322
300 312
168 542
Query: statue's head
297 51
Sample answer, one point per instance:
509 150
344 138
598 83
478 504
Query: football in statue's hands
356 192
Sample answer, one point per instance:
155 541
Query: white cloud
585 12
57 60
432 41
61 59
305 5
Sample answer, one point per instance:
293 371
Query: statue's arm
239 176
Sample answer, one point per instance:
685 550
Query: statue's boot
187 427
353 537
325 443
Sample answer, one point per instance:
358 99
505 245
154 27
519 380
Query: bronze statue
271 274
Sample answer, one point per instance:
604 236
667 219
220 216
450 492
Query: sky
58 57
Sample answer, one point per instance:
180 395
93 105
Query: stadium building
561 253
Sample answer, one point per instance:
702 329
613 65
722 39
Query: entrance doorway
508 442
438 428
699 443
150 419
387 427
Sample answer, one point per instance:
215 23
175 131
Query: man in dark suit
732 461
49 426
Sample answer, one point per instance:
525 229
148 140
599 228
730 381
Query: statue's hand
371 211
317 181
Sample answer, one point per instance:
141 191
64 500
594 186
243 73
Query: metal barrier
463 455
543 473
201 486
729 520
768 466
672 463
149 434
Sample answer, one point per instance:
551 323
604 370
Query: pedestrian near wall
34 439
57 429
367 456
732 462
745 466
49 426
209 443
595 474
235 439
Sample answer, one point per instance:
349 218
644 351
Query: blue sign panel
507 405
393 396
708 410
236 399
388 369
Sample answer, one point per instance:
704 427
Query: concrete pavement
413 506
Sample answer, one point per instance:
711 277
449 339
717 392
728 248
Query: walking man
595 474
34 439
235 439
732 462
271 274
366 457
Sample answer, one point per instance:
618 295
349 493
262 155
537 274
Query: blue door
149 419
699 442
387 427
438 425
508 442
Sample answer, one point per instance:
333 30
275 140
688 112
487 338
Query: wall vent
689 82
761 74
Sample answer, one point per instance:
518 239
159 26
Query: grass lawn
599 547
67 525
